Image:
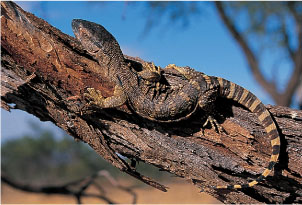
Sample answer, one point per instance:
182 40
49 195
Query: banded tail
251 102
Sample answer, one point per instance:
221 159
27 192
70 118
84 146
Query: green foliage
43 159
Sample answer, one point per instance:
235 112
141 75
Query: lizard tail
251 102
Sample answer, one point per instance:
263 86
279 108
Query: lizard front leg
151 73
96 98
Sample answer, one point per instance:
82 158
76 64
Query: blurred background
254 44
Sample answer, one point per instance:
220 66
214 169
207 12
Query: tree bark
45 73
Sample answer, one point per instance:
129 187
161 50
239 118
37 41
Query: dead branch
46 72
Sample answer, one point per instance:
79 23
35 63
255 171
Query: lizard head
96 39
84 32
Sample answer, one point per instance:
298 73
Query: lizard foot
182 70
94 96
150 73
152 68
213 122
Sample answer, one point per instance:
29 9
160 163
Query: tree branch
251 58
281 98
297 74
58 62
46 72
286 39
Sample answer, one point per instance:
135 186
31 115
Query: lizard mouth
77 24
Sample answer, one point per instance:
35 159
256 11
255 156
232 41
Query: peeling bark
45 73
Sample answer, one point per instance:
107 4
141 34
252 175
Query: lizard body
196 90
130 85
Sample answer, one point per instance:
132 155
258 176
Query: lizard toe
214 124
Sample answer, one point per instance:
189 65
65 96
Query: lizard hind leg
206 103
95 97
213 122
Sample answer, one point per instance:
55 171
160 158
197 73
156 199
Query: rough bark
46 72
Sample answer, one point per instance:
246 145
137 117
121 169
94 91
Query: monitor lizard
168 104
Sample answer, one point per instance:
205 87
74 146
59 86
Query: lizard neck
128 80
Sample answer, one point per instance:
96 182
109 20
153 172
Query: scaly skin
163 103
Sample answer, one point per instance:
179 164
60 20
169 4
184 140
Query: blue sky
205 45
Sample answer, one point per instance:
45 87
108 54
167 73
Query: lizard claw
94 96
